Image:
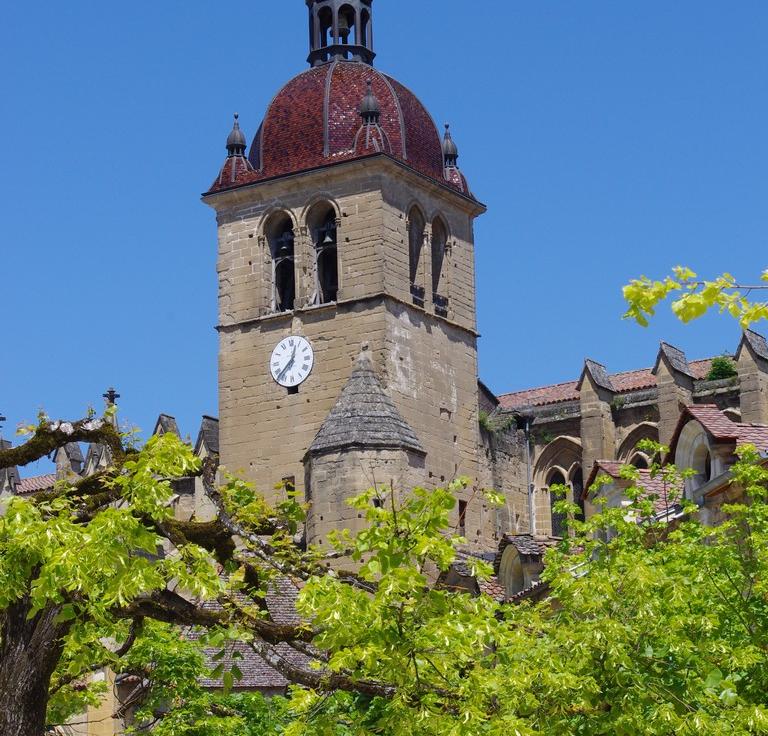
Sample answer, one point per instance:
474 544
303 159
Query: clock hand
288 365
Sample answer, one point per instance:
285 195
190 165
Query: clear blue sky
608 139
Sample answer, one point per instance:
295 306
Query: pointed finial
236 141
450 149
370 109
111 396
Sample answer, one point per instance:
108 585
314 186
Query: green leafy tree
693 297
722 368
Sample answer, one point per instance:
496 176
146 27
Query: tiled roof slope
314 121
758 343
364 416
257 674
664 496
721 428
208 435
35 484
622 383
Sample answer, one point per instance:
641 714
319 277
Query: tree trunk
29 653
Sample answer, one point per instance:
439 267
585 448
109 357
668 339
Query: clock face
292 361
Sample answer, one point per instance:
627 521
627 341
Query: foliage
650 628
661 630
722 367
694 298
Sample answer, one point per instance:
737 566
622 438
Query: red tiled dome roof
314 121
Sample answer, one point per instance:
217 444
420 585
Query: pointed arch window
558 518
323 227
281 244
327 257
416 228
439 246
577 484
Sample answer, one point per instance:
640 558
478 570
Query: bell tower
340 29
347 315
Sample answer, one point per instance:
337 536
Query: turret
340 29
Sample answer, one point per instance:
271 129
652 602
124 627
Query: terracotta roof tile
314 121
625 382
35 484
664 496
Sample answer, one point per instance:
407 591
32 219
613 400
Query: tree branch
51 436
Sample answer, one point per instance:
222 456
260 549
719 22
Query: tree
83 567
695 297
654 632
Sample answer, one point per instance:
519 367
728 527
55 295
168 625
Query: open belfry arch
347 223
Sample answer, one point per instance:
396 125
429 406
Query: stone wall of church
427 362
334 478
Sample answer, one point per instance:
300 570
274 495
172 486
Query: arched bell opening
417 225
439 248
324 229
340 32
281 239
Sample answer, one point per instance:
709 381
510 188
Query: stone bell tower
347 228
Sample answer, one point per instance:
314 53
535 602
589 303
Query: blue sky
607 138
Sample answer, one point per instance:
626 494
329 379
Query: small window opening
462 518
289 481
439 243
378 502
577 482
708 467
558 518
293 390
326 252
415 247
281 244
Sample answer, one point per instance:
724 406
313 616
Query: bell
328 240
343 28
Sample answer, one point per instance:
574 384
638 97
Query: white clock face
292 361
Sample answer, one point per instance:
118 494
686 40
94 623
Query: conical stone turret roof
365 417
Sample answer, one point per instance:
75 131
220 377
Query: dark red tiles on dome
291 134
315 121
424 149
347 86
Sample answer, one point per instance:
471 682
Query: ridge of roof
623 382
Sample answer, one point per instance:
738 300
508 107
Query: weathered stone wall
427 362
334 478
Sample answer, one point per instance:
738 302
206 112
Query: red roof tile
721 428
713 420
314 121
36 484
664 495
625 382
